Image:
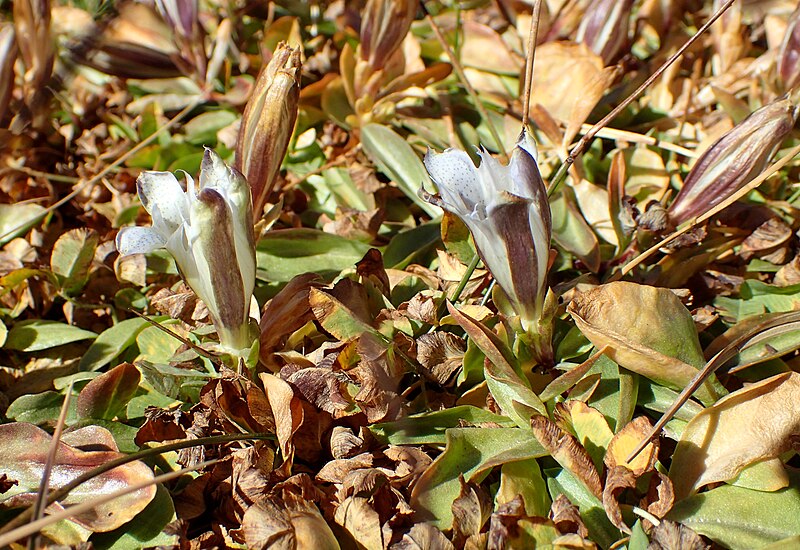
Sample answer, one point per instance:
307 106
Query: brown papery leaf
285 313
567 517
423 536
471 510
671 536
660 495
286 409
570 79
625 441
290 523
749 425
566 450
618 479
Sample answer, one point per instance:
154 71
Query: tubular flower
208 229
506 210
733 160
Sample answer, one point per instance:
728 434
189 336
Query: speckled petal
457 179
161 191
138 240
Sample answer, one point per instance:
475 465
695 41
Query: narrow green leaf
430 427
111 343
36 335
395 158
470 452
283 254
739 518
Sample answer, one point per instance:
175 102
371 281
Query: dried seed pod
268 123
733 160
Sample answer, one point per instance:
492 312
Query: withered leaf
567 517
566 450
618 479
289 524
471 509
674 536
423 536
749 425
625 441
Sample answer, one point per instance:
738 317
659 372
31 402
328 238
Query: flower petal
457 180
138 240
160 191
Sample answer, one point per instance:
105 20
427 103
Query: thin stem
561 174
463 78
532 35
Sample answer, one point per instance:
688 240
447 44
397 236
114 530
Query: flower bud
384 26
209 231
733 160
789 53
604 27
268 123
507 212
8 54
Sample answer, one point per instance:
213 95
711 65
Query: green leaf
741 518
17 218
430 427
470 452
515 397
40 408
395 158
106 395
71 258
407 246
639 540
285 253
146 530
36 335
111 343
3 333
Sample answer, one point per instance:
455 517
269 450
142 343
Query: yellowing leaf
749 425
647 330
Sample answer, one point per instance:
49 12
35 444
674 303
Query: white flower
208 229
507 212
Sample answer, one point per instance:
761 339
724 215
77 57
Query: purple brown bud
268 123
604 27
8 54
733 160
384 25
789 53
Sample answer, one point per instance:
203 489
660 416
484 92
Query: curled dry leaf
285 313
669 535
471 510
566 450
287 411
423 536
646 330
23 457
625 441
752 424
660 495
618 479
567 517
291 523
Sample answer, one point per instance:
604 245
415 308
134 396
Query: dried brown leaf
618 479
566 450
